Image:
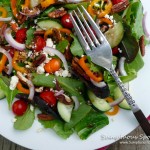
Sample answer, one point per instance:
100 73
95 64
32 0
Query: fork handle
136 110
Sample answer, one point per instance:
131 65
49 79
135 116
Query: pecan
120 6
142 45
21 19
39 60
45 117
68 54
64 99
41 32
57 13
56 35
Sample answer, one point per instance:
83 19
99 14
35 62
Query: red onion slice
5 19
51 51
12 41
59 93
144 25
31 13
29 83
117 101
9 60
76 102
98 84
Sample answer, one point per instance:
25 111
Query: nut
142 45
57 13
45 117
39 60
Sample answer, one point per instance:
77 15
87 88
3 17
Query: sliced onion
76 102
31 13
59 93
144 25
50 51
5 19
121 66
99 84
12 41
117 101
29 83
9 60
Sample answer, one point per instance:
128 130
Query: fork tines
86 29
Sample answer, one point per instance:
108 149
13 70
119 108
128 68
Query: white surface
120 125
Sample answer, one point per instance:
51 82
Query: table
7 145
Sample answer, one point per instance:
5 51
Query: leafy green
78 115
4 86
90 124
76 48
58 127
133 18
30 35
47 11
25 122
6 5
61 46
71 86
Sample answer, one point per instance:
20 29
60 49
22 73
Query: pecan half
56 35
57 13
142 45
39 60
41 32
120 6
45 117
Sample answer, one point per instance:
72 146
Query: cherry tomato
48 96
115 50
116 1
53 65
66 21
11 52
40 43
21 35
19 107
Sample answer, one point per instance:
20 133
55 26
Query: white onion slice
76 102
144 25
29 83
12 41
98 84
5 19
117 101
31 14
51 51
121 66
9 60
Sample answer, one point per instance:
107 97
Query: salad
45 74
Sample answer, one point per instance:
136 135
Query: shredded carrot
14 26
14 8
4 15
47 33
46 3
26 4
106 20
22 89
114 110
2 62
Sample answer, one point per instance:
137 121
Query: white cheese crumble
30 53
14 120
13 82
62 73
49 42
40 69
40 89
31 108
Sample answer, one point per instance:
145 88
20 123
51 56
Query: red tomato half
116 1
19 107
21 35
66 21
40 43
48 96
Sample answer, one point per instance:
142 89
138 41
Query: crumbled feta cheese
49 42
30 53
63 73
120 51
27 66
14 120
40 89
13 82
31 108
40 69
47 74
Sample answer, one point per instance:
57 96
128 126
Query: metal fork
98 49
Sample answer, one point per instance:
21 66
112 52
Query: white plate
120 125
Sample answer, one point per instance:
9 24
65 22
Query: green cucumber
100 104
2 94
123 104
64 111
48 24
115 34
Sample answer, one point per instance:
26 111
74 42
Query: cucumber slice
100 104
123 104
115 34
64 111
2 95
48 24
